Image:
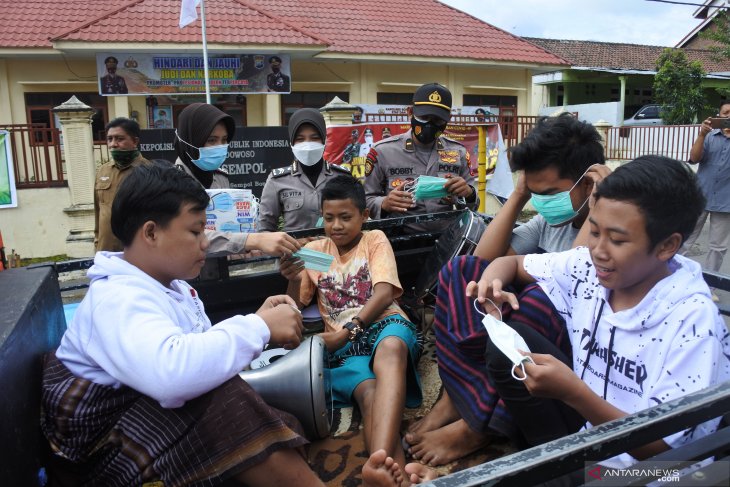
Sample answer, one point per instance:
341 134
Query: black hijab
194 125
314 118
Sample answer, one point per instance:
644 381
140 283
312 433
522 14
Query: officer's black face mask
426 131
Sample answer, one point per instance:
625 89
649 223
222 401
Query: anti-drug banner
252 154
348 145
168 74
8 196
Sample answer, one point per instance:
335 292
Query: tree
678 87
719 33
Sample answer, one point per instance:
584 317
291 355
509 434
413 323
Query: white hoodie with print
131 330
672 343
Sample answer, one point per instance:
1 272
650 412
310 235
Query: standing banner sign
348 145
168 74
252 154
8 196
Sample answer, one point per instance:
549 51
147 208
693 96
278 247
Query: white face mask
308 153
507 340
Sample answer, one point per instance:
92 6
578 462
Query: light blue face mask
210 158
556 209
427 187
313 260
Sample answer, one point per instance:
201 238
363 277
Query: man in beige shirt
122 139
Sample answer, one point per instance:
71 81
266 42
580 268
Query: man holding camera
711 151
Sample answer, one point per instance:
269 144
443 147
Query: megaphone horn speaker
295 383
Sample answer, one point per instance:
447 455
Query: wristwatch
354 328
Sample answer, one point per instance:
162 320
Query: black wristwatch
353 328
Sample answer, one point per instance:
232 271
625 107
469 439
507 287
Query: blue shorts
353 363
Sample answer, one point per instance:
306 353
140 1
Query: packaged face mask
313 260
427 187
507 340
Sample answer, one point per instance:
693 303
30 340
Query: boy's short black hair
127 124
342 188
722 104
564 142
153 192
665 191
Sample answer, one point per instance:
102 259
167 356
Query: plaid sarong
461 341
119 437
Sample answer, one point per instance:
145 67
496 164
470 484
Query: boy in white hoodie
642 324
142 389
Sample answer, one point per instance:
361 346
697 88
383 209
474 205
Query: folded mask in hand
506 339
427 187
313 260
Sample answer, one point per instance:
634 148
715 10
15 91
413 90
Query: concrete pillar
338 112
622 99
6 113
121 106
272 110
75 118
602 127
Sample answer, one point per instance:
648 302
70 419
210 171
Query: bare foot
381 471
445 444
420 473
441 414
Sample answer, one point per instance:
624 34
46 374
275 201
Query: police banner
252 154
176 74
348 145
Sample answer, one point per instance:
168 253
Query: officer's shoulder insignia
338 168
281 171
389 140
180 167
450 140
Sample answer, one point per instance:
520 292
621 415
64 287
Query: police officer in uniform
353 148
422 150
293 191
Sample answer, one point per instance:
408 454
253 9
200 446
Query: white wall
589 112
38 226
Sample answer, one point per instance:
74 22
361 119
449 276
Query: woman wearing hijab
201 141
293 191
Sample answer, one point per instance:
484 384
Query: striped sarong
119 437
461 342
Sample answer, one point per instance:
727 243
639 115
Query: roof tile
423 28
611 55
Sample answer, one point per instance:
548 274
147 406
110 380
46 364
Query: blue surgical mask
316 261
209 158
556 209
427 187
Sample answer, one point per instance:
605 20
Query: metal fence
37 157
627 143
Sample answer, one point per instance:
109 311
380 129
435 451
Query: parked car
647 115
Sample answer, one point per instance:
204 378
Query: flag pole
205 53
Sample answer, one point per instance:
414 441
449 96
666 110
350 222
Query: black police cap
432 99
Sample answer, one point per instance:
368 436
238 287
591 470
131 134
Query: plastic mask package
231 210
313 260
427 187
507 340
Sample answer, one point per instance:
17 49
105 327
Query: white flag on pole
188 12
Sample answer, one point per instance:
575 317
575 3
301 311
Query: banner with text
150 74
252 154
348 145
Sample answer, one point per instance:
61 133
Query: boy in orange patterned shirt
373 348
